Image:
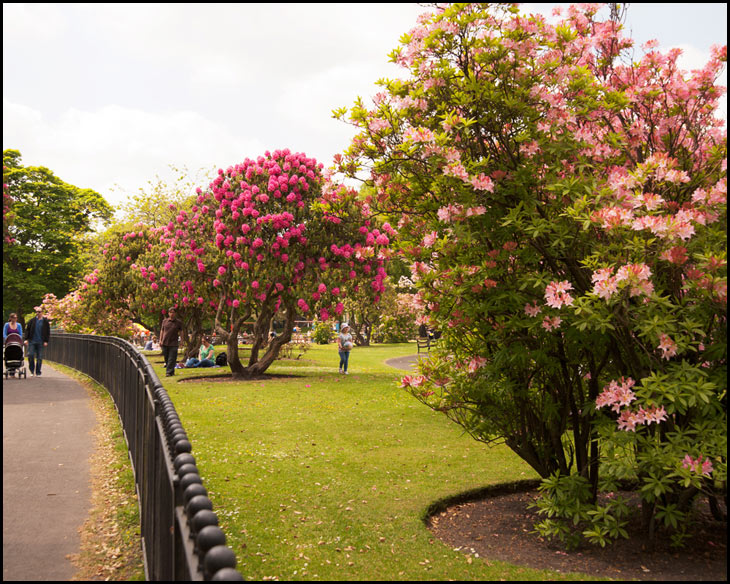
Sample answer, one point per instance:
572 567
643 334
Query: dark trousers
169 354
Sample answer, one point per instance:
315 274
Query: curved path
406 363
47 444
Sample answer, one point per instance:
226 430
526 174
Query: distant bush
322 333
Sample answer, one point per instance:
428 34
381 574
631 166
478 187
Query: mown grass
317 475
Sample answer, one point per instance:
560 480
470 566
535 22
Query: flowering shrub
74 314
564 211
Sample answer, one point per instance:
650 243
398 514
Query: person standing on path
169 340
37 335
344 344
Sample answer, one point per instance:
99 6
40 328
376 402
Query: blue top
7 330
38 331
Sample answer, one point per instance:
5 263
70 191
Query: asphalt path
47 445
407 363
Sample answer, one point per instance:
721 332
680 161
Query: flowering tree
565 215
284 242
136 275
74 313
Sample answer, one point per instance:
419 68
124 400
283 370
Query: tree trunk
195 335
257 365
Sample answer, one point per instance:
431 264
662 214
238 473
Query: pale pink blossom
532 310
556 294
668 346
475 363
482 183
430 238
617 394
550 324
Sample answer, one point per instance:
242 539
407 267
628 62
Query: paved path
407 363
47 443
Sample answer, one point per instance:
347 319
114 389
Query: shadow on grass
229 377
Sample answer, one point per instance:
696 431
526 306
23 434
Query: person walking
169 340
344 344
12 327
37 335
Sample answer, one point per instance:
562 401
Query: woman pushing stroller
13 347
12 327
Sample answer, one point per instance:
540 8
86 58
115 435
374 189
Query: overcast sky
109 95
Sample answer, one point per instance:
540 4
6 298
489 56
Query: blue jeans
344 357
193 362
35 357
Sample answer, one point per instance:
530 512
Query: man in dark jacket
37 335
169 340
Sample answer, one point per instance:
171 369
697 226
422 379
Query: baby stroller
13 355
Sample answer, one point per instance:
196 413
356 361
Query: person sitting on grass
205 357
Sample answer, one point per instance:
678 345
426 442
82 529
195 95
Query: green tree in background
45 248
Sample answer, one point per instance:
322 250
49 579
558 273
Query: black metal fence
181 539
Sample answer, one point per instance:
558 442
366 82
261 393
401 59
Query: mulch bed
497 527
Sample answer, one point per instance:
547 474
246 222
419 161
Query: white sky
109 95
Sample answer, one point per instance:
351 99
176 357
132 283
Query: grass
320 476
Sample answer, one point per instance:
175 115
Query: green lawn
317 475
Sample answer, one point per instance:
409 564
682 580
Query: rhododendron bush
271 238
564 211
77 312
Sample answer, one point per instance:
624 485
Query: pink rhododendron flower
550 324
483 183
637 275
605 283
617 394
653 415
676 255
668 346
628 420
556 294
413 381
532 310
698 465
475 363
